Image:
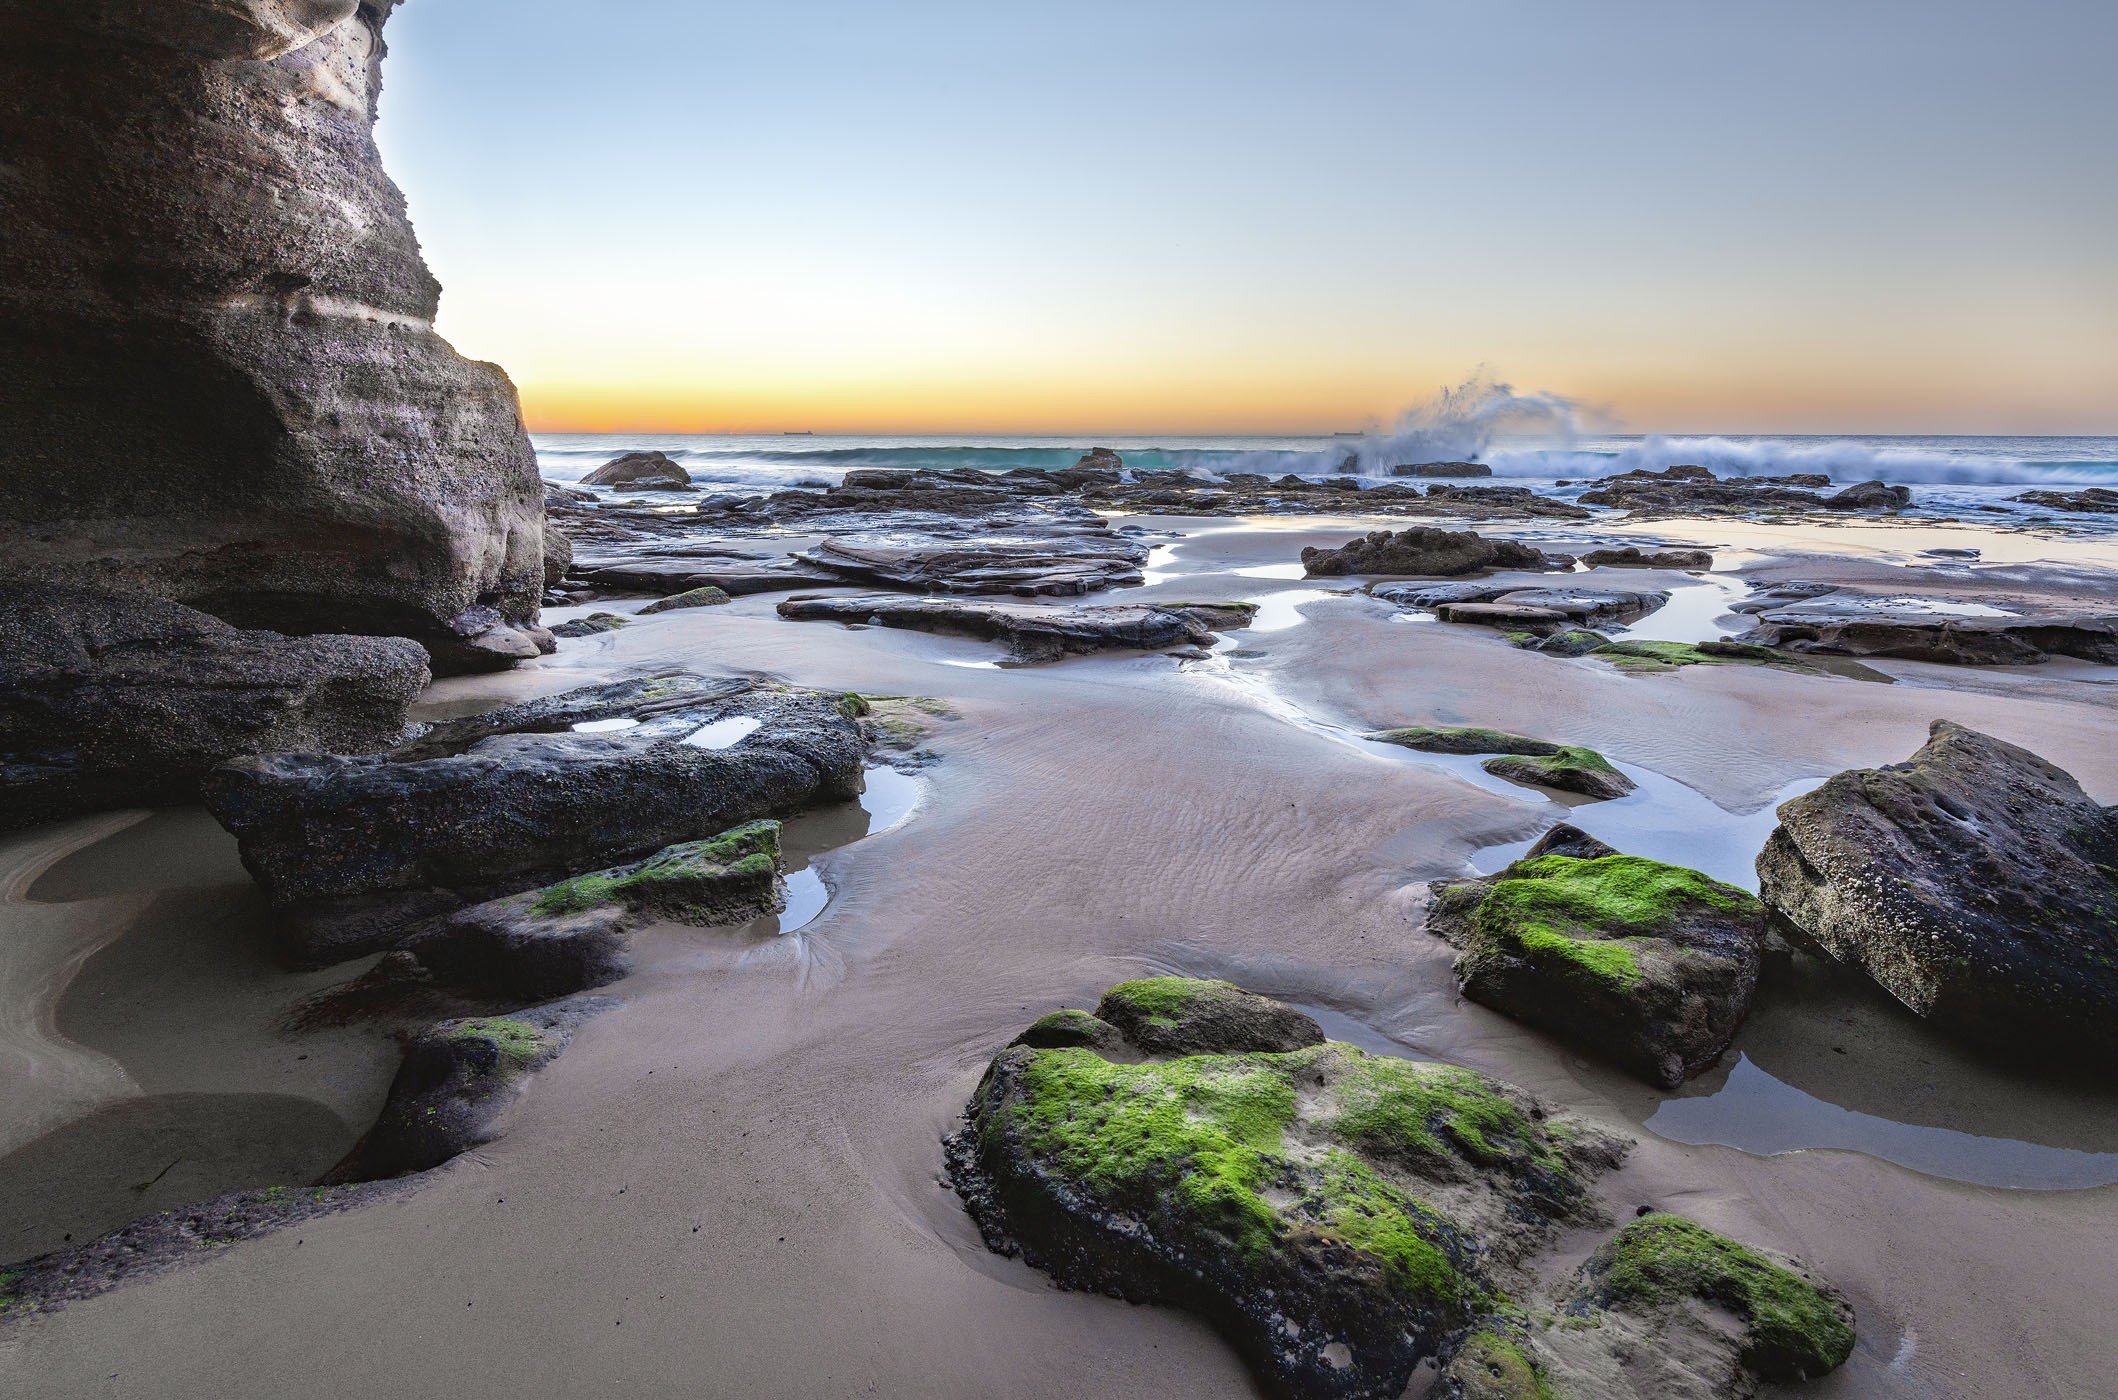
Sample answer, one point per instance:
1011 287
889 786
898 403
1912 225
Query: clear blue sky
1873 215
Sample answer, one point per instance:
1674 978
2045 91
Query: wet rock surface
498 802
1633 557
1057 565
112 701
1976 883
1648 966
1423 552
1695 490
1031 633
1188 1016
640 471
218 362
2100 500
1910 629
1539 762
1340 1217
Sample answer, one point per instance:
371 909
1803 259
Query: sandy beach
732 1183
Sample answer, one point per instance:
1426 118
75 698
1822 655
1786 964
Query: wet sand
730 1185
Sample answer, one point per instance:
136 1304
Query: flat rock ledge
355 850
1519 759
1976 883
1648 966
1032 633
1906 630
1344 1218
109 700
1424 552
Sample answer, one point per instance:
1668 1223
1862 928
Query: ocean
1948 475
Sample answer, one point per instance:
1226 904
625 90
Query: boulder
572 936
111 701
493 803
218 364
1907 630
1568 768
1031 633
1422 551
640 471
1340 1217
595 624
1633 557
1976 883
1645 965
706 597
1869 495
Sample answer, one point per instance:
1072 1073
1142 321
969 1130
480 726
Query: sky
1247 216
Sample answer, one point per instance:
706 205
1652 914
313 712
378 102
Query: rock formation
1423 552
218 365
1977 883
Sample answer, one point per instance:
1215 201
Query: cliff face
219 377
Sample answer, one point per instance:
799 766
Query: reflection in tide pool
1690 614
1279 611
888 799
723 733
1756 1113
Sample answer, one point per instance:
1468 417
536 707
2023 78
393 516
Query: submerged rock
110 701
1422 551
1646 965
640 471
572 936
1031 633
1976 883
1340 1217
482 806
595 624
218 364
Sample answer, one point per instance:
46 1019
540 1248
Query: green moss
1651 656
1659 1258
852 706
518 1042
1562 769
1492 1366
1068 1027
706 597
746 852
1465 739
1575 911
1166 998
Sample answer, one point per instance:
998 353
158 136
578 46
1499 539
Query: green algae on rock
1649 966
1674 1274
722 879
1062 1029
1464 739
1339 1216
706 597
1646 657
1184 1016
1570 768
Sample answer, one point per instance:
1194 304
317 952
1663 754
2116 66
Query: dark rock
1464 740
1338 1216
1571 641
1631 557
1061 1029
706 597
457 1081
499 802
1898 627
665 576
1429 596
1421 551
1186 1016
1569 769
1780 595
1588 604
1869 495
1507 616
593 625
218 365
109 701
1031 633
640 471
571 936
1442 469
1648 966
1975 883
2097 499
1058 565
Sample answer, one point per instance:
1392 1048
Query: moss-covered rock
1569 769
1070 1028
706 597
574 935
1574 641
1186 1016
1676 1278
1339 1216
1649 966
1492 1365
591 625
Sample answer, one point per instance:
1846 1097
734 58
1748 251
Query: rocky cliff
219 373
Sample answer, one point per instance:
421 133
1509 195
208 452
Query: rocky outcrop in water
1520 759
640 471
357 849
1688 490
2099 500
218 365
1032 633
1061 564
110 701
1633 557
1648 966
1422 552
1444 469
1976 883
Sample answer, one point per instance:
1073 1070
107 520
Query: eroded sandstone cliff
219 377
